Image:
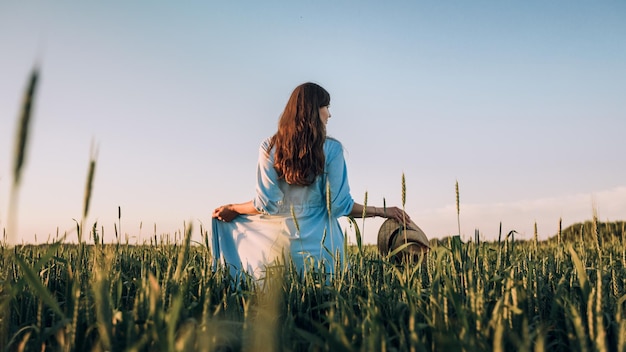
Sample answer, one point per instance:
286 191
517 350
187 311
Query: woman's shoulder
266 144
333 145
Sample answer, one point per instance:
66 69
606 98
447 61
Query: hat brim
393 234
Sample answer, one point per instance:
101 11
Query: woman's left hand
225 213
397 214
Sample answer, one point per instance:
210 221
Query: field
165 295
566 294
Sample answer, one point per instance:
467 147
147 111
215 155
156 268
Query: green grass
491 296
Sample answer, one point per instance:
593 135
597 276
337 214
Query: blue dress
251 242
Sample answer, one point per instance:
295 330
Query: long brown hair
299 141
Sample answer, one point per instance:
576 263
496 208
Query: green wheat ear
328 198
456 188
403 190
295 219
89 183
385 206
359 239
24 126
364 207
403 206
535 238
458 208
88 190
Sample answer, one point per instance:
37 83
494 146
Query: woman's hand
225 213
229 212
395 213
359 211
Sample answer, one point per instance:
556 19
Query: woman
302 189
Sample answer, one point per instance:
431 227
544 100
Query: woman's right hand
225 213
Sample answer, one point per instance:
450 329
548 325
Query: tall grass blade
104 307
357 233
19 155
89 183
19 158
24 127
535 238
458 208
403 206
294 217
32 279
403 190
183 255
583 280
363 216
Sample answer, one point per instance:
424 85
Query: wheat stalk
89 184
535 238
384 207
458 208
20 151
24 127
88 189
403 206
295 219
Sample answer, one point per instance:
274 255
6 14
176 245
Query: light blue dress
251 242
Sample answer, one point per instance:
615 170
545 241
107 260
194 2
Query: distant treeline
607 231
581 231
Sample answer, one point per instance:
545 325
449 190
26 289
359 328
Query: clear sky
522 102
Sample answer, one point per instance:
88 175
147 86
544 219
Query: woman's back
293 219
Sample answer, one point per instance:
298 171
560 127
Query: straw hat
392 235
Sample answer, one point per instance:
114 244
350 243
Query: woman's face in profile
325 114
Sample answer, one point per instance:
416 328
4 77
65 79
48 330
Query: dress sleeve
337 180
268 194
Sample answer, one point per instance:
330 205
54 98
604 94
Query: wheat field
166 295
169 294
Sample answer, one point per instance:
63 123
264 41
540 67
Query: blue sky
521 102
